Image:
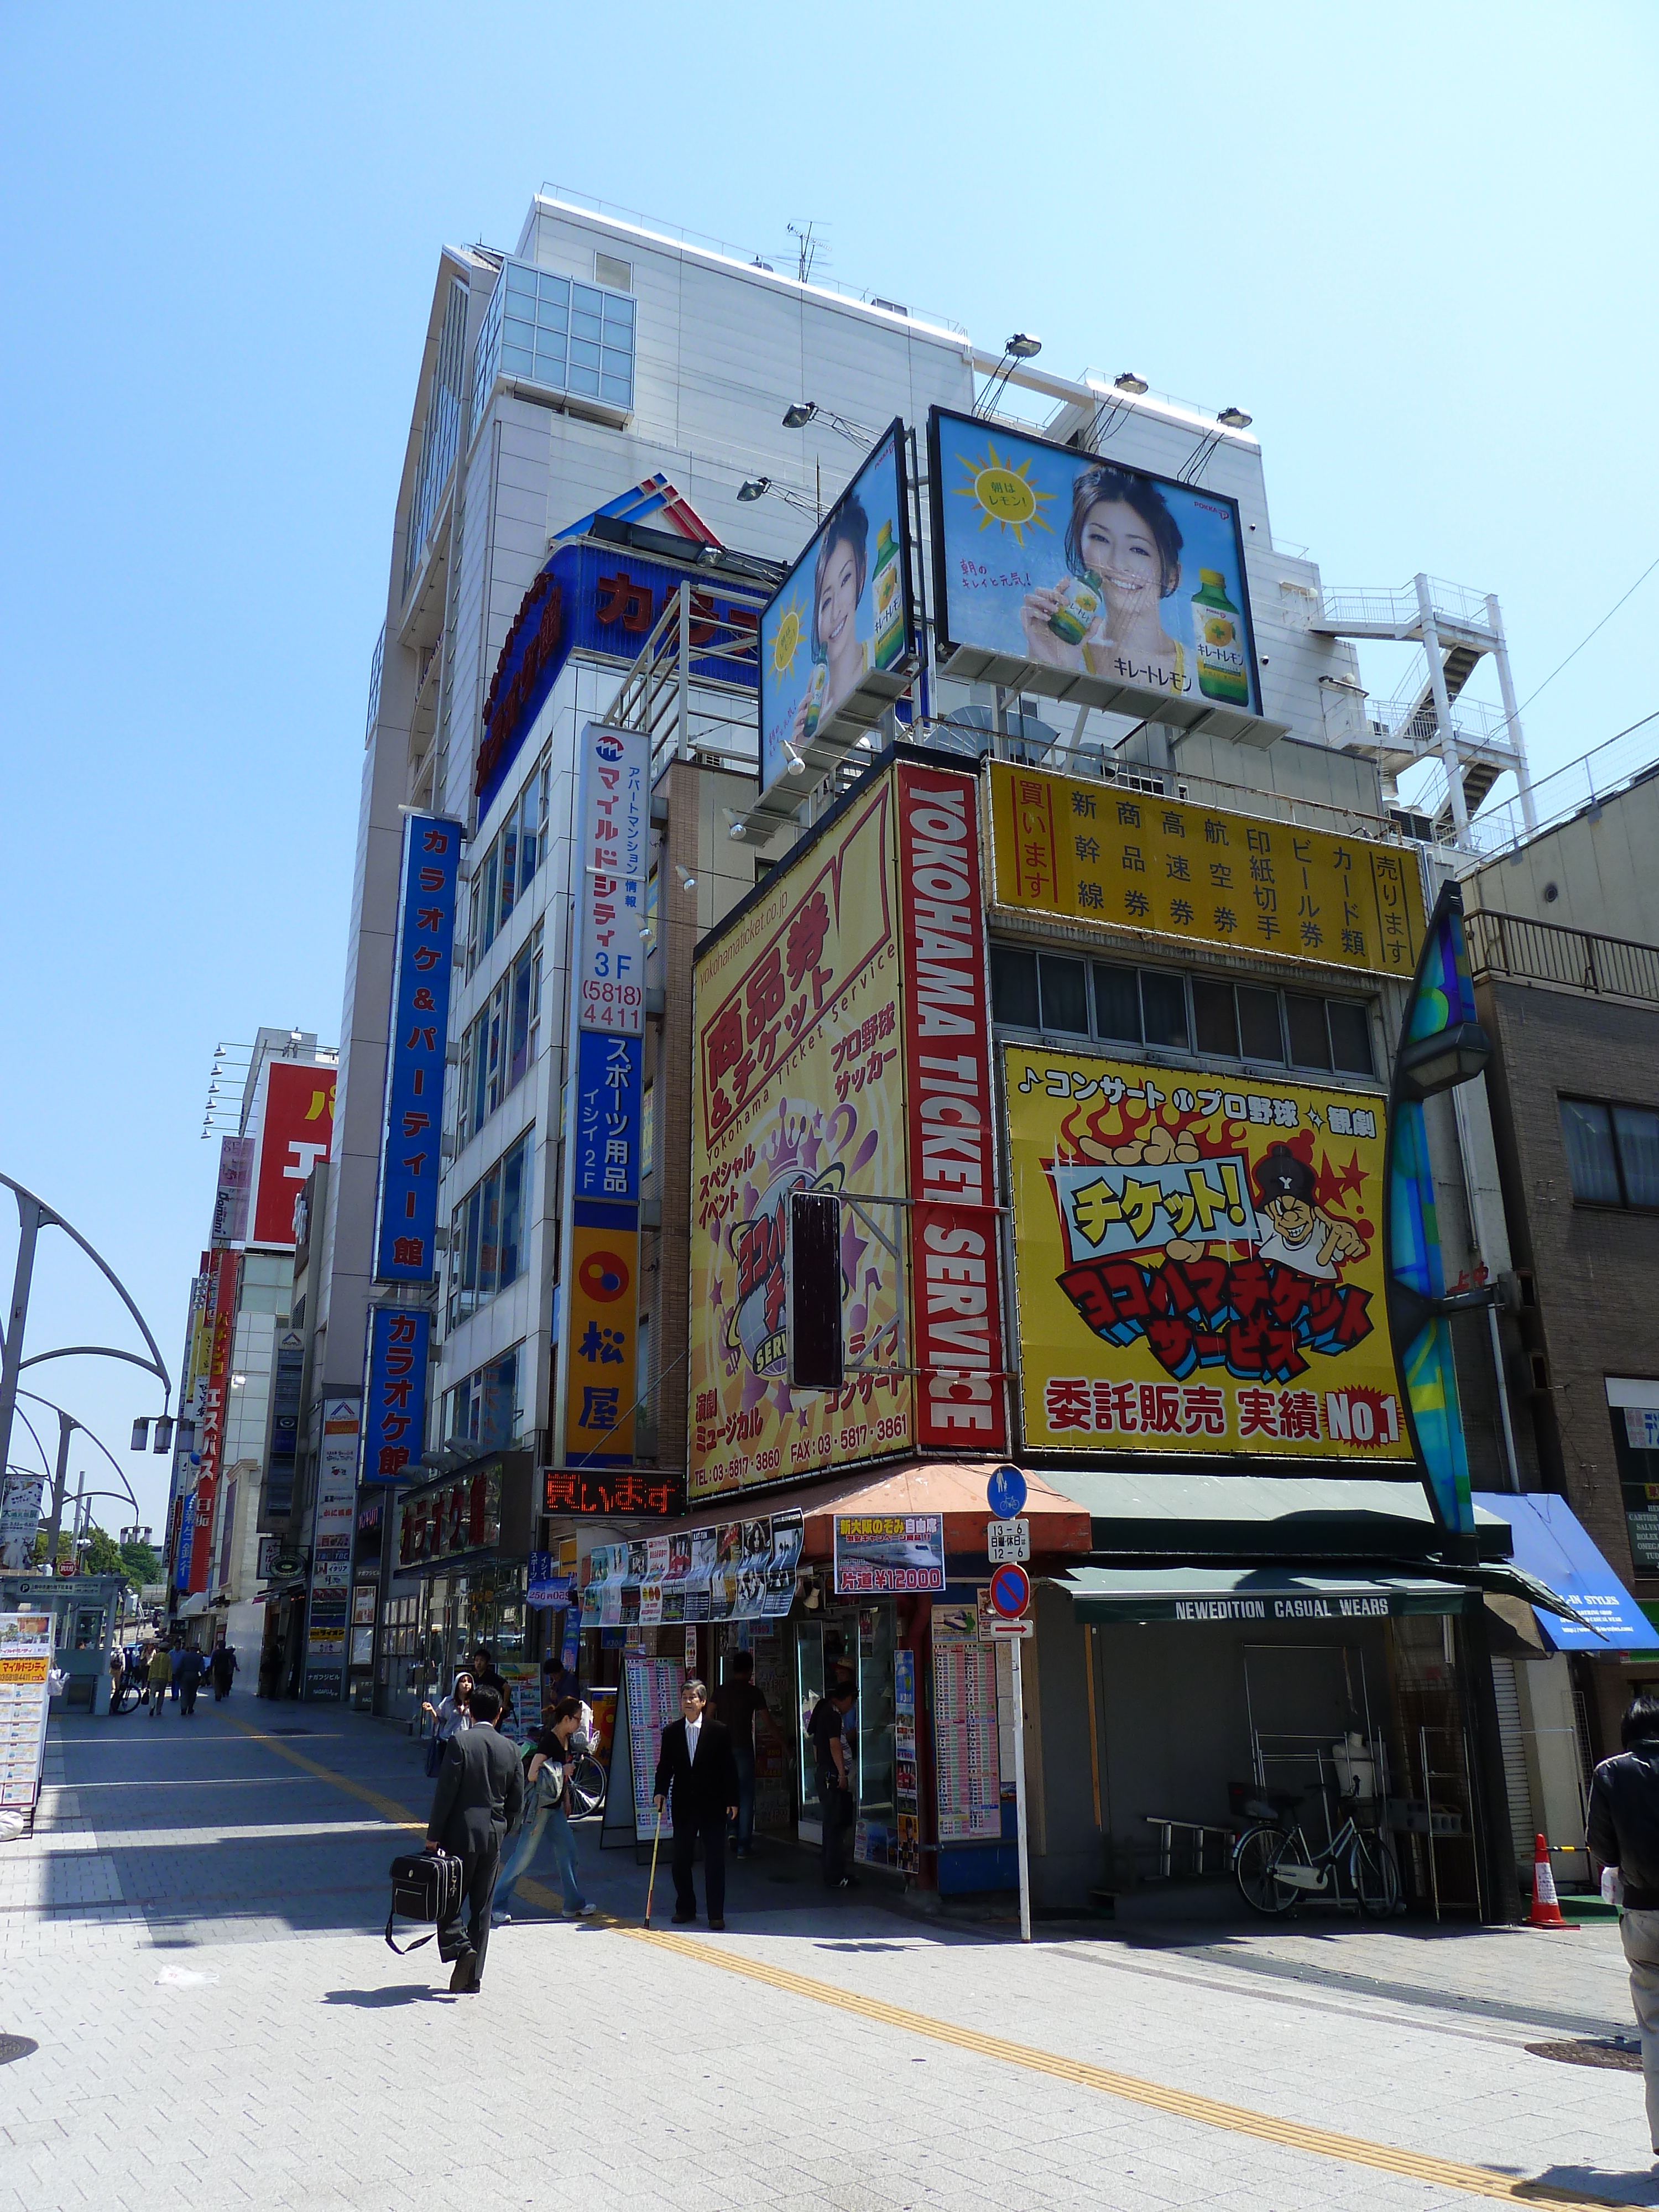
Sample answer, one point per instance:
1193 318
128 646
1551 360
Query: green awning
1198 1597
1185 1514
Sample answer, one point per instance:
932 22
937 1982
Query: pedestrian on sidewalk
479 1796
118 1668
547 1782
157 1676
224 1664
698 1780
187 1673
828 1730
1623 1832
736 1703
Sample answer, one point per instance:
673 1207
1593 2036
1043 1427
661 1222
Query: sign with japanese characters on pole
394 1398
405 1245
1199 1262
598 1378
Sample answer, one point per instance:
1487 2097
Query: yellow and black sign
1086 851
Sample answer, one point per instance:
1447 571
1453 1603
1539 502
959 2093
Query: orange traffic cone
1546 1907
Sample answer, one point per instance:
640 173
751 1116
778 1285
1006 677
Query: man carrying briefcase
479 1796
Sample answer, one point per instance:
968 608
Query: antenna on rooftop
806 250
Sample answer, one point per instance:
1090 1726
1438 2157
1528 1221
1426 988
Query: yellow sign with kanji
1088 851
1198 1262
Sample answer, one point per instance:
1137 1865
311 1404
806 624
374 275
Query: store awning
1552 1546
956 1488
1182 1513
1199 1596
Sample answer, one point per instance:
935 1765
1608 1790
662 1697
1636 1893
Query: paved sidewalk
192 1941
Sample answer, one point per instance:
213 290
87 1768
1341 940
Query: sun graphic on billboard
1003 493
791 629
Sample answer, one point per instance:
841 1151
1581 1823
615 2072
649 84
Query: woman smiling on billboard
840 660
1123 552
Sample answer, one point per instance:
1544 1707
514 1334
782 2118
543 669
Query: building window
440 436
487 1231
484 1409
503 877
550 330
500 1044
1206 1015
1612 1153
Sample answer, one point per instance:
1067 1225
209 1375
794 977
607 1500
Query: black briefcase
426 1886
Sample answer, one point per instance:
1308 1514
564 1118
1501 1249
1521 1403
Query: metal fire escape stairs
1428 716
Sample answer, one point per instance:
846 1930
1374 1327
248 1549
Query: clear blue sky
1415 242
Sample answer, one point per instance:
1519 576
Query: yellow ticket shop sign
1087 851
1198 1262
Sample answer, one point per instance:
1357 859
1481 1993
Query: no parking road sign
1010 1592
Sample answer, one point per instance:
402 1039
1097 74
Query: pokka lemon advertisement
798 1086
1199 1262
1087 569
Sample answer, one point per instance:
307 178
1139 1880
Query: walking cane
651 1884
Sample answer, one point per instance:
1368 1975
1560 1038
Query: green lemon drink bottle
1219 639
1079 599
887 601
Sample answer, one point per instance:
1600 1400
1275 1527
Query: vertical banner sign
955 1275
25 1666
210 1444
20 1521
187 1544
597 1369
405 1241
297 1131
394 1397
235 1182
285 1395
331 1549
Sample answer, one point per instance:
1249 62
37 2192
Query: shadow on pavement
378 2000
1592 2182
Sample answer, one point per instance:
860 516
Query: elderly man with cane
697 1777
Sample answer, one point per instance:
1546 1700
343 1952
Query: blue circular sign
1010 1592
1006 1493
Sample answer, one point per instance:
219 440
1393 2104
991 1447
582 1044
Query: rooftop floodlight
1130 382
1235 418
798 416
688 881
754 488
1023 346
797 763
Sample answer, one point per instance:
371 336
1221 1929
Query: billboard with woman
837 642
1107 579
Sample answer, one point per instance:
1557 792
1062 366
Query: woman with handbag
449 1717
547 1806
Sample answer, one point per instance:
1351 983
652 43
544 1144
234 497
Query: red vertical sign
956 1275
297 1132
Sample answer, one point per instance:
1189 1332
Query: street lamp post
34 1215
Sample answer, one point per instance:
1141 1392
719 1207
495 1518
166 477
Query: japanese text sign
797 1084
611 864
1198 1262
882 1554
608 1136
297 1130
1091 852
577 1491
411 1158
394 1395
602 1316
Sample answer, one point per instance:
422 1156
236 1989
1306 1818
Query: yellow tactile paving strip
1179 2104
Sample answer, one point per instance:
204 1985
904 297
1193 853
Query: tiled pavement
877 2061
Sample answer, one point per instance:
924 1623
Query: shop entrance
855 1644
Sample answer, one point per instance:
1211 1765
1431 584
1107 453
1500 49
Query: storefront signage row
444 1519
738 1571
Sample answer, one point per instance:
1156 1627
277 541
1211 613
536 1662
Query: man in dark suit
698 1777
479 1796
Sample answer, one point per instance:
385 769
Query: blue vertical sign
394 1393
187 1544
405 1245
607 1116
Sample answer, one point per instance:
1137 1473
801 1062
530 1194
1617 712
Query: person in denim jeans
549 1810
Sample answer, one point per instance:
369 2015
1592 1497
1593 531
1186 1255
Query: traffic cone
1546 1907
